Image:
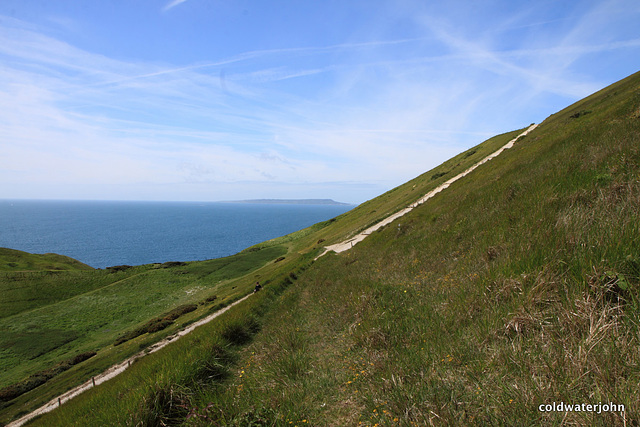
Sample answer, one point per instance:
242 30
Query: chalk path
117 369
349 243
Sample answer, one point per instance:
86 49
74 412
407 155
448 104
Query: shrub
438 175
580 114
217 307
117 268
41 377
179 311
158 326
469 153
170 264
82 357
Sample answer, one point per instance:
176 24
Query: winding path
349 243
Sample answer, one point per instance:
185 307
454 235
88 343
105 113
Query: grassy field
50 316
515 287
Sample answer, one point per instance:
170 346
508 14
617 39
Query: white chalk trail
349 243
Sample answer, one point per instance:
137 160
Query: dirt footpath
348 244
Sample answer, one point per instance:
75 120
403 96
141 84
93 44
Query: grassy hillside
515 287
111 302
49 317
14 260
77 319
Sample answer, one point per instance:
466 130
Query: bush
41 377
158 326
82 357
170 264
129 336
438 175
217 307
469 153
117 268
179 311
580 114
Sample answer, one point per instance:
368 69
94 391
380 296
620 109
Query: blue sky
221 100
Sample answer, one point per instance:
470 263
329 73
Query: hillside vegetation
51 316
14 260
90 311
515 287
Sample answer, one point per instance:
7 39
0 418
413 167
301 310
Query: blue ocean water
106 233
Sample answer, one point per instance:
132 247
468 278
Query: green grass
476 307
14 260
154 389
50 316
27 290
515 287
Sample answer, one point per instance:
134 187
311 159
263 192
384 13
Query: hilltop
15 260
515 287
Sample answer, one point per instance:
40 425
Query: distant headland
291 202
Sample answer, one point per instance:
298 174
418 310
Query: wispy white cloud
172 4
355 117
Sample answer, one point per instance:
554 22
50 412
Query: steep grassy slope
515 287
377 209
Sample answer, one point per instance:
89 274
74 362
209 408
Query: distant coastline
291 202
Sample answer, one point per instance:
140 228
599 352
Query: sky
209 100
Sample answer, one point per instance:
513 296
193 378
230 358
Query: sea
108 233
